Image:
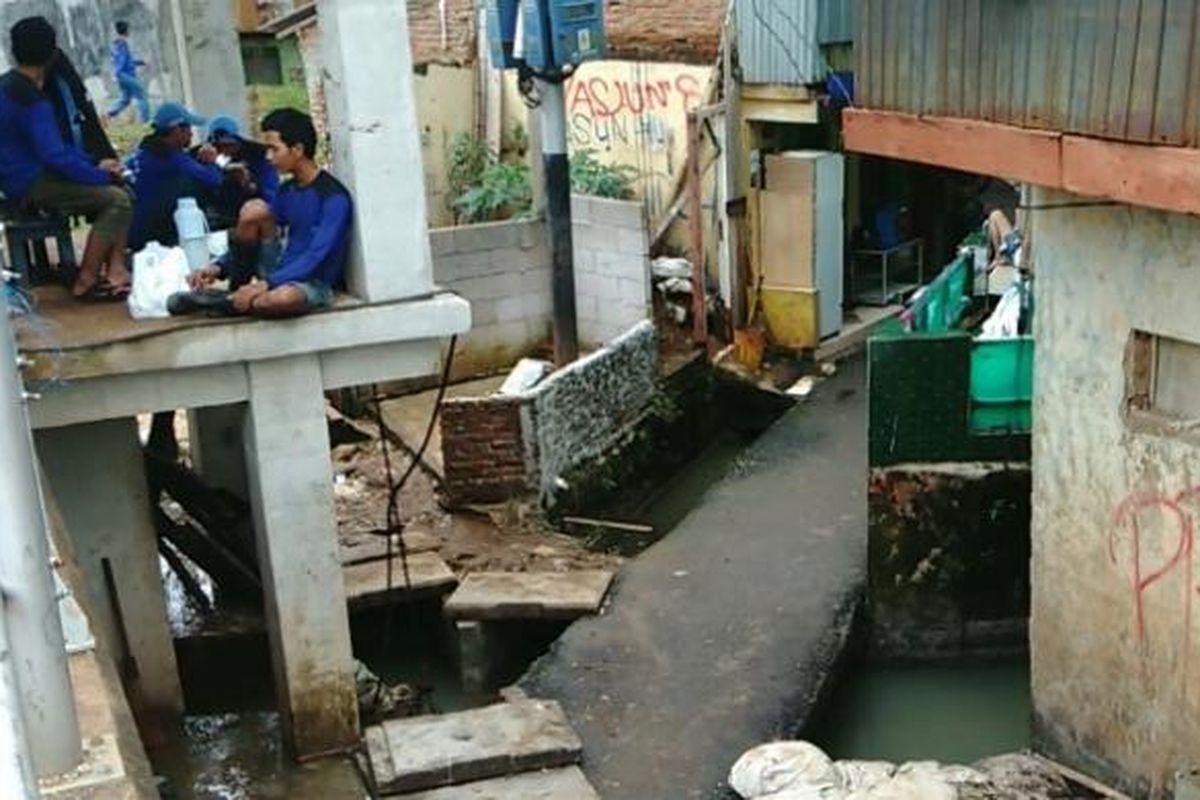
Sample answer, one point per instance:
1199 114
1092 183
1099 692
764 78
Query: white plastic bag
791 770
158 273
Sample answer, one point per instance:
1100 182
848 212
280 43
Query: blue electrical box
560 33
502 32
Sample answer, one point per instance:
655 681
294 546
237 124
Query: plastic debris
667 267
528 373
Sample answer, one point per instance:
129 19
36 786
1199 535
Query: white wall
612 267
1114 632
503 269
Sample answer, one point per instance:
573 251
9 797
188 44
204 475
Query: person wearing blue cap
40 169
249 174
164 171
125 68
313 211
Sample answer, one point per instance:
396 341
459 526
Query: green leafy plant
503 192
590 176
468 158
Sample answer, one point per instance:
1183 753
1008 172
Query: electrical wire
393 528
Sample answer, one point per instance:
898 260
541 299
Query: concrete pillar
105 505
211 60
218 454
291 490
376 145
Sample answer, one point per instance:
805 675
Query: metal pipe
557 172
30 605
17 779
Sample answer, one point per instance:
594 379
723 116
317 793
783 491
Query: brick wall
612 267
496 448
486 456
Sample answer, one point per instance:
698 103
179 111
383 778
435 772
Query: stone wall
1116 650
612 267
571 417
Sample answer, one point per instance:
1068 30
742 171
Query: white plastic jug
192 227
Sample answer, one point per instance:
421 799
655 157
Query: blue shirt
31 142
123 62
161 176
317 220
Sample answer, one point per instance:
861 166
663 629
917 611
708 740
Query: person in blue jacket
39 169
125 68
249 173
314 213
165 171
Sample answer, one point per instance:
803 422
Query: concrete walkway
720 637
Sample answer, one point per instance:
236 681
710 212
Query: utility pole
556 168
30 607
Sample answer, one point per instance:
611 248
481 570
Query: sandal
101 292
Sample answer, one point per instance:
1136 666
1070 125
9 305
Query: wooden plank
1145 71
422 753
1104 17
1171 92
490 596
554 784
984 148
1143 175
367 584
1124 51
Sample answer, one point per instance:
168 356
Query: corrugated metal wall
835 21
1120 69
777 41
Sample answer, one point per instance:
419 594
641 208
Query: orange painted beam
1166 178
1142 175
969 145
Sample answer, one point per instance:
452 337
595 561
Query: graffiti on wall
1153 545
621 111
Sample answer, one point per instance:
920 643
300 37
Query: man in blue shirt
125 68
39 169
314 212
165 171
249 173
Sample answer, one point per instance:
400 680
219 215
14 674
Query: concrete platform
367 584
554 784
490 596
861 323
422 753
365 547
722 635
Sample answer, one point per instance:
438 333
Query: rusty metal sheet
1124 69
777 41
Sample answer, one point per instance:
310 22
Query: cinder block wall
503 269
612 267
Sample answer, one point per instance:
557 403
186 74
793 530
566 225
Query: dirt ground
510 538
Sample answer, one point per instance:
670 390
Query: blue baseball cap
173 115
224 129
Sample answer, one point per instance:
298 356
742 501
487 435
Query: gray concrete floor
722 636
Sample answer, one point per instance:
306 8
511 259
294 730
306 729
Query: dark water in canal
955 712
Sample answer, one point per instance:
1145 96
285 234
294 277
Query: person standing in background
125 68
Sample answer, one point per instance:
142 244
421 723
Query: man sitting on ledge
312 210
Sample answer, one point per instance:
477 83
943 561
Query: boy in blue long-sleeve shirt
313 210
125 68
39 169
249 173
165 171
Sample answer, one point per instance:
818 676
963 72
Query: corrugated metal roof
1120 69
777 41
835 21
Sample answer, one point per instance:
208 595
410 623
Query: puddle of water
955 713
241 757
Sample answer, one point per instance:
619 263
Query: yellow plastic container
792 316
